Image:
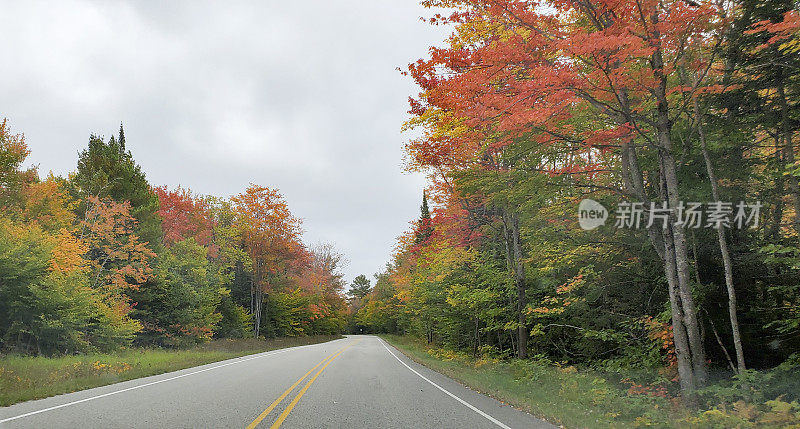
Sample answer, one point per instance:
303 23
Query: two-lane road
355 382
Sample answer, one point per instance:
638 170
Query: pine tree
360 287
121 139
105 171
425 228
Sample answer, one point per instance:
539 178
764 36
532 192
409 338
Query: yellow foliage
47 204
68 253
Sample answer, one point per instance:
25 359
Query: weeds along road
354 382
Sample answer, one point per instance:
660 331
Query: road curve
355 382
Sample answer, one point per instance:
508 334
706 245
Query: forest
687 110
613 188
102 260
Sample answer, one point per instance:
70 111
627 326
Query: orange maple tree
119 260
184 215
271 237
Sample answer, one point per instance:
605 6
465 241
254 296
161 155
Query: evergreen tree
121 139
360 287
425 229
106 171
180 306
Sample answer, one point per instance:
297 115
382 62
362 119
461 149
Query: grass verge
587 399
23 378
562 396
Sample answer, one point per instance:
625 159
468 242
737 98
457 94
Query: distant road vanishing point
355 382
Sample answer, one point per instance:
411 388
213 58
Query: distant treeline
101 259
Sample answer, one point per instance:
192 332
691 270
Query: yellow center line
289 390
300 394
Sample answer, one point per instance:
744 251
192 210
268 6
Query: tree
529 73
106 171
181 303
46 306
360 287
119 261
13 152
121 139
270 236
48 204
381 310
184 215
424 228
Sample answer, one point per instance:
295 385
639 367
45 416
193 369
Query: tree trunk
258 303
680 336
662 241
514 259
777 214
788 146
719 341
723 245
522 298
669 171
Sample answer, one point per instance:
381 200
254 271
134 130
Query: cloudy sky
302 96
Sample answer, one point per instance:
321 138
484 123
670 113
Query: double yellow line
325 362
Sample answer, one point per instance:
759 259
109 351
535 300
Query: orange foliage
270 233
117 257
662 332
49 205
184 215
68 255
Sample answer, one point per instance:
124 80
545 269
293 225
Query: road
354 382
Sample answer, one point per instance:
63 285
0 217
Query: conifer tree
105 171
121 139
425 229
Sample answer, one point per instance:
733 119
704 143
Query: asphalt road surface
355 382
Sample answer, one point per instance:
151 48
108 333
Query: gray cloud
302 96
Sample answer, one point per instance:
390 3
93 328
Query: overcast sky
302 96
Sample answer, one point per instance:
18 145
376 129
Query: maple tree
48 204
184 215
119 260
270 235
13 152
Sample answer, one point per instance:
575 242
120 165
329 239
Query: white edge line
239 360
465 403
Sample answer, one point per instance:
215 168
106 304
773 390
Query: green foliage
379 311
181 303
288 314
235 321
106 170
360 287
43 310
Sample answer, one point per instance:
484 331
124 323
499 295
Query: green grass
561 396
23 378
587 399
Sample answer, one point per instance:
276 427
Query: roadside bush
45 305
